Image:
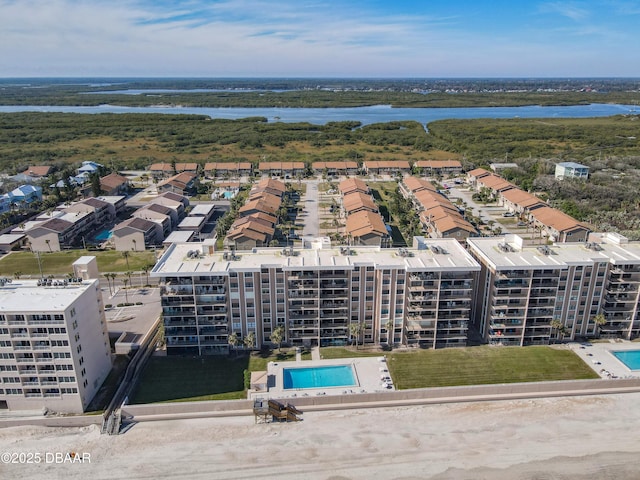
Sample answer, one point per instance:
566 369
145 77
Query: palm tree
146 269
126 294
599 320
112 276
233 341
354 330
128 274
17 275
250 340
108 276
277 336
125 254
390 332
48 242
558 326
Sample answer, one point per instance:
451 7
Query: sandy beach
558 438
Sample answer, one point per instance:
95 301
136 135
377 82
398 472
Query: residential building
175 201
438 216
418 296
166 170
12 241
114 184
181 183
367 228
475 174
137 234
571 170
387 167
558 226
357 201
20 197
353 185
439 167
282 169
88 168
522 289
335 169
161 170
157 214
52 235
227 169
38 171
54 345
494 183
520 202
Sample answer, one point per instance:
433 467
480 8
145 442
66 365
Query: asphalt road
310 214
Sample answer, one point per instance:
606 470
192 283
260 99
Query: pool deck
368 372
599 357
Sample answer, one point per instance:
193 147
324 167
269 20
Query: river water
365 115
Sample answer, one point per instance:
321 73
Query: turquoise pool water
229 195
631 358
104 235
319 377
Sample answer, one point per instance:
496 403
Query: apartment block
54 345
522 289
420 296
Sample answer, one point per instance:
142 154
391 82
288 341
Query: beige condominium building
419 296
523 289
54 345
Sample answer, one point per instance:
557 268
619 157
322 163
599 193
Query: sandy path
561 438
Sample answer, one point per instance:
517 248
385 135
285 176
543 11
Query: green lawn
59 263
485 365
341 352
186 379
476 365
181 379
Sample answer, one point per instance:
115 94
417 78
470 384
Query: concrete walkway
315 353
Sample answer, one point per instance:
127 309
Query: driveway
310 213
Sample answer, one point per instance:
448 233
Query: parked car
522 224
508 214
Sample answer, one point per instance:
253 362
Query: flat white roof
112 199
176 260
26 296
561 255
190 222
572 165
179 236
11 237
203 209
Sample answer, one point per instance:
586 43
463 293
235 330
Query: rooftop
451 256
27 296
560 255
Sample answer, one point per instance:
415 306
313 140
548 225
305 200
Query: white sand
563 438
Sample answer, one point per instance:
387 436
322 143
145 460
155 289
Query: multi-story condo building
54 346
418 296
523 289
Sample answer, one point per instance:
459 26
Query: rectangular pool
319 377
631 358
104 235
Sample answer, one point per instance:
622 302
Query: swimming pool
319 377
104 235
631 358
229 195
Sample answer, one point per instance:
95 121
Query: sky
319 38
